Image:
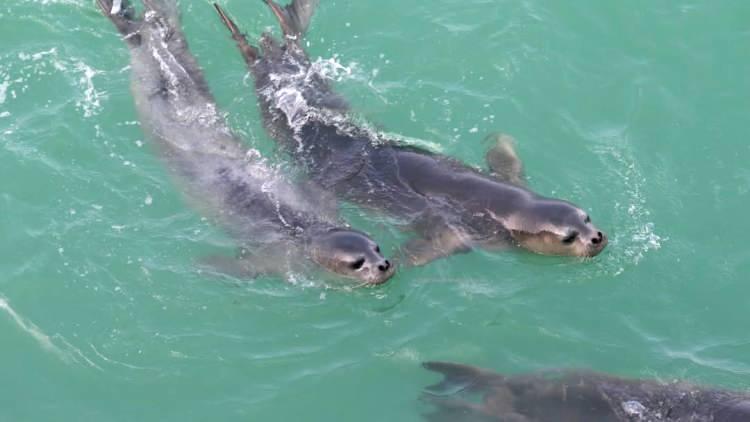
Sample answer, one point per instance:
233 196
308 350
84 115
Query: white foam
3 90
46 2
35 57
634 408
90 103
333 69
82 75
112 361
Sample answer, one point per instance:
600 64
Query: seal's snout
598 243
384 272
385 266
598 239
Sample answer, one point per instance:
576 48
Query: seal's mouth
383 277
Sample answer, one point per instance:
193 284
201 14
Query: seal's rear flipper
295 17
123 18
249 52
503 160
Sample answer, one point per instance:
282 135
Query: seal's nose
385 266
598 239
598 244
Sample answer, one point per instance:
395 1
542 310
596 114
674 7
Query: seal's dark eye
587 219
377 249
570 238
357 264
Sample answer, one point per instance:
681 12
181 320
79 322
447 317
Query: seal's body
222 177
452 207
575 396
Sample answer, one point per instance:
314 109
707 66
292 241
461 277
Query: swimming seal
451 206
575 396
280 225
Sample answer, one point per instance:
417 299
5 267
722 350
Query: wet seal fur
282 226
574 396
451 206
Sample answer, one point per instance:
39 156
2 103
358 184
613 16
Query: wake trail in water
70 356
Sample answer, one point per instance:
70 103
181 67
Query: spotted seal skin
281 226
452 207
574 396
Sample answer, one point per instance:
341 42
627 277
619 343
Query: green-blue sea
635 110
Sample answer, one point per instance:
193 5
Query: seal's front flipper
122 15
294 18
503 160
249 52
421 251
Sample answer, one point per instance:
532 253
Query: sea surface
636 110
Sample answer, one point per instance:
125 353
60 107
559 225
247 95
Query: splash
301 94
90 104
332 69
640 236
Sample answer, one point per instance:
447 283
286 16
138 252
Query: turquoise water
635 110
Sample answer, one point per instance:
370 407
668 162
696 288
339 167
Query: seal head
555 227
351 254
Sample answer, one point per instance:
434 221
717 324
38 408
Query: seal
554 396
452 207
280 225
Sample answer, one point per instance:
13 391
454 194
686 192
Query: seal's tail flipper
457 377
249 52
122 15
295 17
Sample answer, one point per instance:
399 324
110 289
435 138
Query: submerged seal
451 206
575 396
272 218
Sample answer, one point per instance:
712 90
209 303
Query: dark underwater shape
281 226
573 396
452 207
